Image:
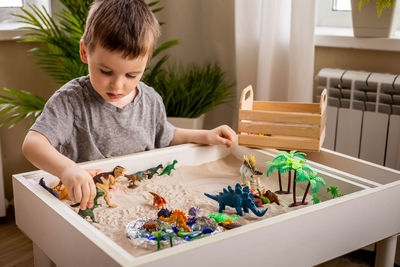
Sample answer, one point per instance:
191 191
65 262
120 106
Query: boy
109 112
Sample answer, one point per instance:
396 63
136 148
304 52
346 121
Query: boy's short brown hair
127 26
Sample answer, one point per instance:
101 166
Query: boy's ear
83 52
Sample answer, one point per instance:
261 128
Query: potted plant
189 92
374 18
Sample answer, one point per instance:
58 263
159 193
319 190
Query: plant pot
366 22
187 123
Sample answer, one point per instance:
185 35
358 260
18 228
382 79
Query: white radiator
363 116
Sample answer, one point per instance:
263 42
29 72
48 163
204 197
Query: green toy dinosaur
169 168
264 199
88 212
221 217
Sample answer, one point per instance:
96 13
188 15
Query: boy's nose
116 84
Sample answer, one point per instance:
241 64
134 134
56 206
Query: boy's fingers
77 194
86 194
92 187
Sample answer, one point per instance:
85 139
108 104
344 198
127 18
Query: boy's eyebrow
132 72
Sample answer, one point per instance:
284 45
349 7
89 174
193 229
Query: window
334 13
8 23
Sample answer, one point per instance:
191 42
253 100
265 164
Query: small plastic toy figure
178 217
333 190
248 172
132 179
88 212
169 168
194 211
50 190
221 217
264 199
164 213
104 180
63 193
151 226
238 199
273 198
158 200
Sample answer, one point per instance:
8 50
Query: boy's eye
106 72
130 76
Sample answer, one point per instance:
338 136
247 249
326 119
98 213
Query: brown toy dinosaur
179 217
104 180
272 197
132 179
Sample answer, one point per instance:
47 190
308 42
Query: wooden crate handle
246 98
323 100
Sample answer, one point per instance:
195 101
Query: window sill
343 38
11 31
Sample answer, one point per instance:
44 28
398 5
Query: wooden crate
281 125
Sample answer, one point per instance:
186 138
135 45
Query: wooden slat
280 142
276 116
279 129
287 106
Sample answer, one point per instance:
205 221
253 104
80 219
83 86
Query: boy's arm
79 184
222 135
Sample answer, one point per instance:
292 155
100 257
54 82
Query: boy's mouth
114 96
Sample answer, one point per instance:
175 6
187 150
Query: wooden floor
16 249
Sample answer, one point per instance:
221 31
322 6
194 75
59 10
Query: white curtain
275 48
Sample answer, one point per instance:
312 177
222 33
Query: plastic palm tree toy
333 190
279 165
313 181
284 163
315 199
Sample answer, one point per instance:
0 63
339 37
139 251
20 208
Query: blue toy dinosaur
238 199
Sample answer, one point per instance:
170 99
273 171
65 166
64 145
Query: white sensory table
368 213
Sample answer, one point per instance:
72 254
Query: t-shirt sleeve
56 120
164 130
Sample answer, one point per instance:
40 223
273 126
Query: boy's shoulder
75 86
148 92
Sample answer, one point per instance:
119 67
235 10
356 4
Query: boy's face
114 77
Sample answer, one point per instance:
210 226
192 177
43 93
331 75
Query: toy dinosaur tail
211 196
43 184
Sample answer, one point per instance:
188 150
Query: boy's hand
222 135
80 186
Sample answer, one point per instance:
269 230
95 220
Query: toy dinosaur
169 168
88 212
151 226
194 211
50 190
265 200
132 179
221 217
164 213
179 217
149 173
104 180
248 172
238 199
63 193
272 197
158 200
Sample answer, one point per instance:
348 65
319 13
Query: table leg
40 258
386 252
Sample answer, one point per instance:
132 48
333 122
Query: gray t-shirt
81 125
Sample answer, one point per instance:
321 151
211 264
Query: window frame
11 30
